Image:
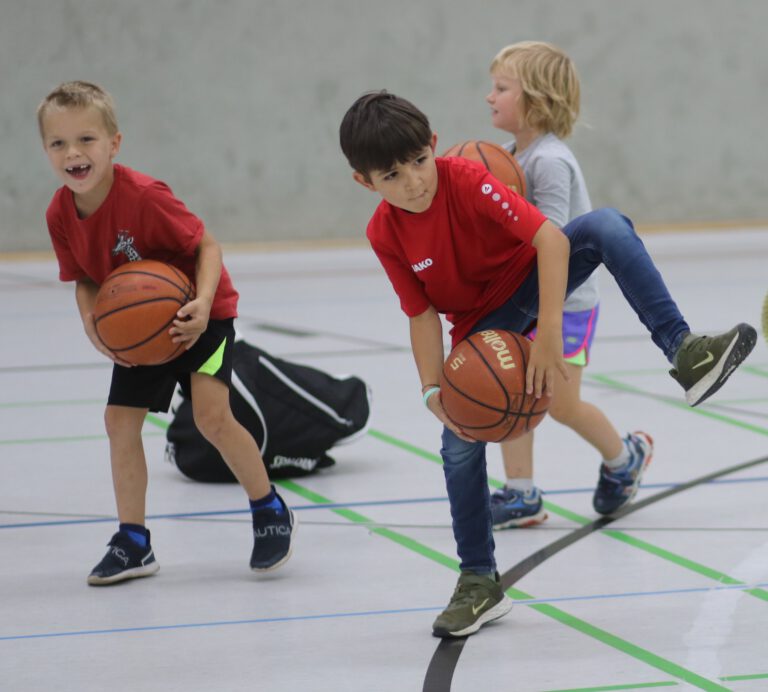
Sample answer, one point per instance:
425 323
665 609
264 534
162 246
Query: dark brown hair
380 130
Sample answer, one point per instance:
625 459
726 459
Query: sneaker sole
287 556
523 523
737 351
133 573
646 463
499 610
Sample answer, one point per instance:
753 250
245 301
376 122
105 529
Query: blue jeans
602 236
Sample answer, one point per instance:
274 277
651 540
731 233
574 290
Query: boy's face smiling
411 185
80 151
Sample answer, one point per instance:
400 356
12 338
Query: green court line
649 685
621 386
611 688
753 368
561 616
550 611
735 678
679 560
762 371
418 451
719 577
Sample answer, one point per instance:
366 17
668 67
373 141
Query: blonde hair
80 94
550 85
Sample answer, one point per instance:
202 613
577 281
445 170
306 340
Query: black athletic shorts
152 386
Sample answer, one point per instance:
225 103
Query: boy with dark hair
454 240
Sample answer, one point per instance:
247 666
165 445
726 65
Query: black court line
446 657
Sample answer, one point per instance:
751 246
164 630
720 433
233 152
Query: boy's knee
211 422
561 414
610 218
120 420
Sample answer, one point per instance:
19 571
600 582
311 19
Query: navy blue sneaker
512 509
124 560
273 532
617 488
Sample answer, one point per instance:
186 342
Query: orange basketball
499 162
482 387
135 308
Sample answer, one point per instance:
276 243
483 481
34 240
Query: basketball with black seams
482 387
497 160
135 308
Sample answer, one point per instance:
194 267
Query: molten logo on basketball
492 338
458 361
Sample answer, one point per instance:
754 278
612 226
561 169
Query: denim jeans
602 236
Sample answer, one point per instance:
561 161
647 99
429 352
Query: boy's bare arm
427 345
428 352
193 317
553 249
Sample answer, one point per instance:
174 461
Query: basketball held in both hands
497 160
482 387
136 306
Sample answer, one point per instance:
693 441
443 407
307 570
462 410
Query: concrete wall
236 103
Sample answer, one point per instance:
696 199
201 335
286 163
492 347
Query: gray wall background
236 103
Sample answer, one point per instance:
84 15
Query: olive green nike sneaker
475 601
704 363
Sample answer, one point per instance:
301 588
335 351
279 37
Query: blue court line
370 613
334 505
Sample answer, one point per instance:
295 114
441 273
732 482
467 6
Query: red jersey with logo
139 219
467 254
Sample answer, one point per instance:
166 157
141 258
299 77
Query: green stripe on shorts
212 365
579 359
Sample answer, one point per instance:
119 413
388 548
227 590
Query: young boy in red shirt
106 215
454 240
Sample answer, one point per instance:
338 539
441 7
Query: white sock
522 485
621 460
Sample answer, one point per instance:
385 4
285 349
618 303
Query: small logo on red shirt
124 246
421 266
486 188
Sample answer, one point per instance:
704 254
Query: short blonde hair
80 94
550 85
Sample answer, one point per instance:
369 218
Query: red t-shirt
139 219
467 254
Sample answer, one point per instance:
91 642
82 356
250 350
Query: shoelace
464 593
697 344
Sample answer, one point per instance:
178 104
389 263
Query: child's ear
117 139
363 180
433 142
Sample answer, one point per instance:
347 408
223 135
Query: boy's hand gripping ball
482 387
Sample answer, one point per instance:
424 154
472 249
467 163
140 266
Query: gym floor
673 594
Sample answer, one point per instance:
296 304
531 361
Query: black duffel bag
295 412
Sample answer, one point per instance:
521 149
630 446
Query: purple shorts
578 333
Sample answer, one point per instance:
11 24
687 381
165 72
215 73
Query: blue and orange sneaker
512 509
616 488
